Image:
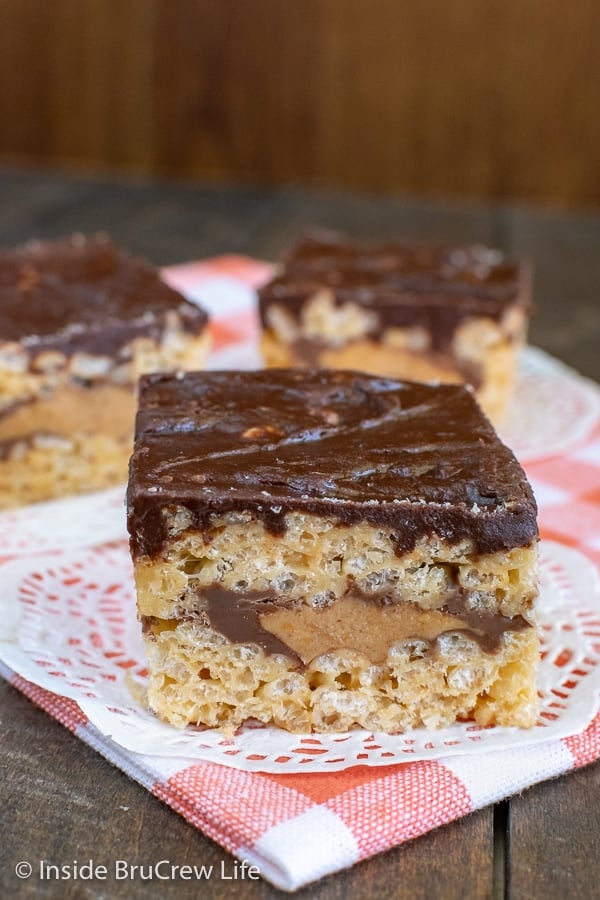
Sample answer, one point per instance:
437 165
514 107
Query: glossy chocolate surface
84 294
406 285
415 459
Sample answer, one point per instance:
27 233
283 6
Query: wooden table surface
61 801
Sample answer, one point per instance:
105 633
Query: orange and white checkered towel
299 827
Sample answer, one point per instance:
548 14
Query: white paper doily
553 408
69 626
60 525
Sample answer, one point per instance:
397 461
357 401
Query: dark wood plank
169 223
432 98
76 82
368 215
177 222
554 839
565 250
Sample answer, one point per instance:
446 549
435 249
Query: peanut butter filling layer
354 622
72 409
372 629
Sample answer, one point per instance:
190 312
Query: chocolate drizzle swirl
416 460
85 295
403 285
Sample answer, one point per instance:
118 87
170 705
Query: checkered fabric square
299 827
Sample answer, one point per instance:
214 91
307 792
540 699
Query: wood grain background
493 99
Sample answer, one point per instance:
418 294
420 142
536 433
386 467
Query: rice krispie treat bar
424 313
80 320
324 549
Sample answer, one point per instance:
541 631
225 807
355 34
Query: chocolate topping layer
406 285
412 458
84 294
